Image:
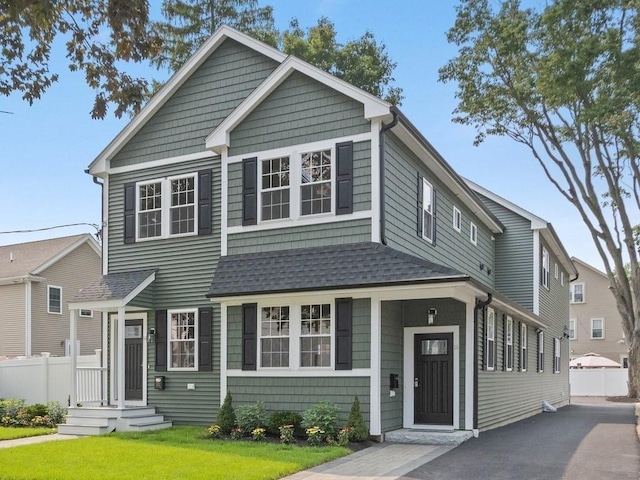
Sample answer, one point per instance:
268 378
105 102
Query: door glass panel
133 331
434 347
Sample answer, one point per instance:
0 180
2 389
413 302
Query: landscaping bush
358 428
251 416
14 413
226 416
56 412
323 415
9 407
281 418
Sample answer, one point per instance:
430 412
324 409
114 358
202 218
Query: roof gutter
479 306
385 128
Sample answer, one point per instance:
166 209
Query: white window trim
591 334
575 331
546 269
556 271
457 219
85 310
473 233
572 293
562 278
524 347
556 355
540 352
165 208
196 339
490 341
49 287
427 184
295 332
510 356
260 337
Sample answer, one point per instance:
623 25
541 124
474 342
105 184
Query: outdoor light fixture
431 316
151 336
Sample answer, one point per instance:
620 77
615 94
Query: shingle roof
114 286
21 259
321 268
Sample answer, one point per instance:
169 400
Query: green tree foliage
226 415
188 24
98 35
360 431
363 62
563 80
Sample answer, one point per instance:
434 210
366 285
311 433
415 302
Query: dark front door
433 382
133 360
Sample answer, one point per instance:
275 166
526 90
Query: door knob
416 383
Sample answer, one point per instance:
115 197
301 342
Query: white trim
506 353
66 251
49 287
375 413
224 372
27 317
112 322
491 318
540 352
376 126
591 337
546 268
220 136
536 271
317 219
85 316
557 355
524 359
224 203
426 184
470 360
572 293
409 374
473 233
457 219
162 162
195 340
105 226
575 329
285 373
116 303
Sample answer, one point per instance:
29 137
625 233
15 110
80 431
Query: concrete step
92 421
83 430
111 412
428 437
145 427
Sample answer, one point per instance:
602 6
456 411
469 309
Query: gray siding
514 255
12 319
392 354
205 99
184 265
452 248
554 301
300 110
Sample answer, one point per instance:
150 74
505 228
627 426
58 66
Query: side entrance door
433 382
133 359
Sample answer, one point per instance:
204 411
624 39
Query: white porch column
73 336
469 366
120 355
375 425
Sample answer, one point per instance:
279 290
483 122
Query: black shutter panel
420 206
344 178
344 334
130 212
205 339
249 336
204 202
161 340
250 191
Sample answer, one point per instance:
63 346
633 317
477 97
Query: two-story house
279 234
594 321
37 281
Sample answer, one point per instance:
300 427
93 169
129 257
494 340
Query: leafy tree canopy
98 34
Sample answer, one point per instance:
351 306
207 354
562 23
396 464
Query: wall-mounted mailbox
158 382
393 381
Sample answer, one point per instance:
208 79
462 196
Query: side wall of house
12 319
49 331
451 248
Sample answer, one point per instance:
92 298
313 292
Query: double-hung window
572 329
183 334
597 328
457 219
315 182
540 352
545 268
473 233
54 299
427 211
556 355
490 343
274 336
167 207
509 345
315 335
524 345
276 195
577 292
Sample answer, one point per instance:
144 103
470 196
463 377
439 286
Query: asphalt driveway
580 442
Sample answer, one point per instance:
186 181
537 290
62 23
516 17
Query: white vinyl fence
43 379
599 382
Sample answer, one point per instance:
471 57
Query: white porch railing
90 385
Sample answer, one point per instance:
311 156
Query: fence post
45 371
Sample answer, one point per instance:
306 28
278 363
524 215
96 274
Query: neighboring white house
37 280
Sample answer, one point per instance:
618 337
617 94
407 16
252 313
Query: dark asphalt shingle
114 286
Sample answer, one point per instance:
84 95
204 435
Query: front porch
102 420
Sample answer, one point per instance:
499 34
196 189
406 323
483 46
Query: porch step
102 420
428 437
83 430
142 423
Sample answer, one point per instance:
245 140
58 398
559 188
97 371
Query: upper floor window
473 233
427 211
54 299
562 278
315 182
545 268
457 219
509 345
183 334
275 195
577 292
556 271
572 329
597 328
524 345
490 336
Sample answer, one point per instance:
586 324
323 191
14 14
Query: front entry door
433 382
133 360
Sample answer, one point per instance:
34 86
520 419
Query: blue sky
46 147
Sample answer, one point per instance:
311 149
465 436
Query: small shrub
358 428
9 408
287 434
36 410
278 419
342 439
56 412
316 436
236 433
226 416
251 416
323 415
214 431
258 434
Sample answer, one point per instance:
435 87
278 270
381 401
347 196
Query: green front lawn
9 433
175 453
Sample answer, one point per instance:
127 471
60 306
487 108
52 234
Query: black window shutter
161 340
344 333
249 336
205 339
250 191
344 178
130 212
204 202
420 206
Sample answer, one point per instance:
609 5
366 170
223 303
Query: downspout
384 128
98 182
479 306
